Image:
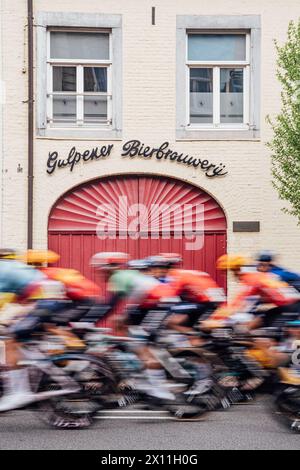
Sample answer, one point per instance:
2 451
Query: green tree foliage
285 144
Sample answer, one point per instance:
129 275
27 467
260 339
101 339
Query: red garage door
140 215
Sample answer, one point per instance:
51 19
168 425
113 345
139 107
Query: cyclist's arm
280 295
240 304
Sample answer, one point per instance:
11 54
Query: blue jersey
15 276
286 276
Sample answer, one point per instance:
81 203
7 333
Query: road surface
242 427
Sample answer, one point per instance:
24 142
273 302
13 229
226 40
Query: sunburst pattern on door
161 200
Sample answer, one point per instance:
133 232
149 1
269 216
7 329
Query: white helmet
104 260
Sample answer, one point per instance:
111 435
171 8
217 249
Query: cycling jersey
158 293
144 285
19 278
76 285
18 283
286 276
123 281
138 288
196 286
120 286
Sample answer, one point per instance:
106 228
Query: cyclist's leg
17 392
154 382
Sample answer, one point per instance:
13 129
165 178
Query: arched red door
141 215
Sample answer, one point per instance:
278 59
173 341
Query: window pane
95 108
95 79
64 78
64 108
93 46
207 47
232 95
201 95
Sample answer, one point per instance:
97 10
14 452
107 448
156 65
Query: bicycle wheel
76 410
287 407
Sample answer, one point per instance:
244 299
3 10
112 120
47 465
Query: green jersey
123 282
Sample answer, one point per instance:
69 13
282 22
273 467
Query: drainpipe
30 125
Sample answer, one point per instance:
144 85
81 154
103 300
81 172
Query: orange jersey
77 286
196 286
157 294
261 287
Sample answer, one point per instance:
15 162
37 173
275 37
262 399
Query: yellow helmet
7 253
233 262
39 257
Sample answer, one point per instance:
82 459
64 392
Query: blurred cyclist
256 288
147 289
17 281
22 284
134 287
80 293
199 294
266 263
112 269
162 264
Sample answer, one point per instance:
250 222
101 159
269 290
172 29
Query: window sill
79 134
218 134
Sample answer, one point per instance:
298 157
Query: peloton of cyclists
138 290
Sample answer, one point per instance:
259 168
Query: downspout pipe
30 125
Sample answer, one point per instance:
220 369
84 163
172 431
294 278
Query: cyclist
111 268
80 294
257 290
199 294
135 290
16 279
266 263
21 284
146 291
132 287
159 285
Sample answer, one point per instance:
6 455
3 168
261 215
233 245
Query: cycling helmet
104 260
139 264
171 259
7 253
265 257
40 257
233 262
158 261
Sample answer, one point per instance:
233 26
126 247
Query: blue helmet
265 256
138 264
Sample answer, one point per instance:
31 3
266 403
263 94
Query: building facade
140 104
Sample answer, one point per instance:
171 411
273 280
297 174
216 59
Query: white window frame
216 66
79 64
78 21
212 24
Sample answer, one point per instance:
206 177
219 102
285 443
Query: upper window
79 79
218 68
218 77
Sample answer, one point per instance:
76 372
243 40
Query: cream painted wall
149 107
